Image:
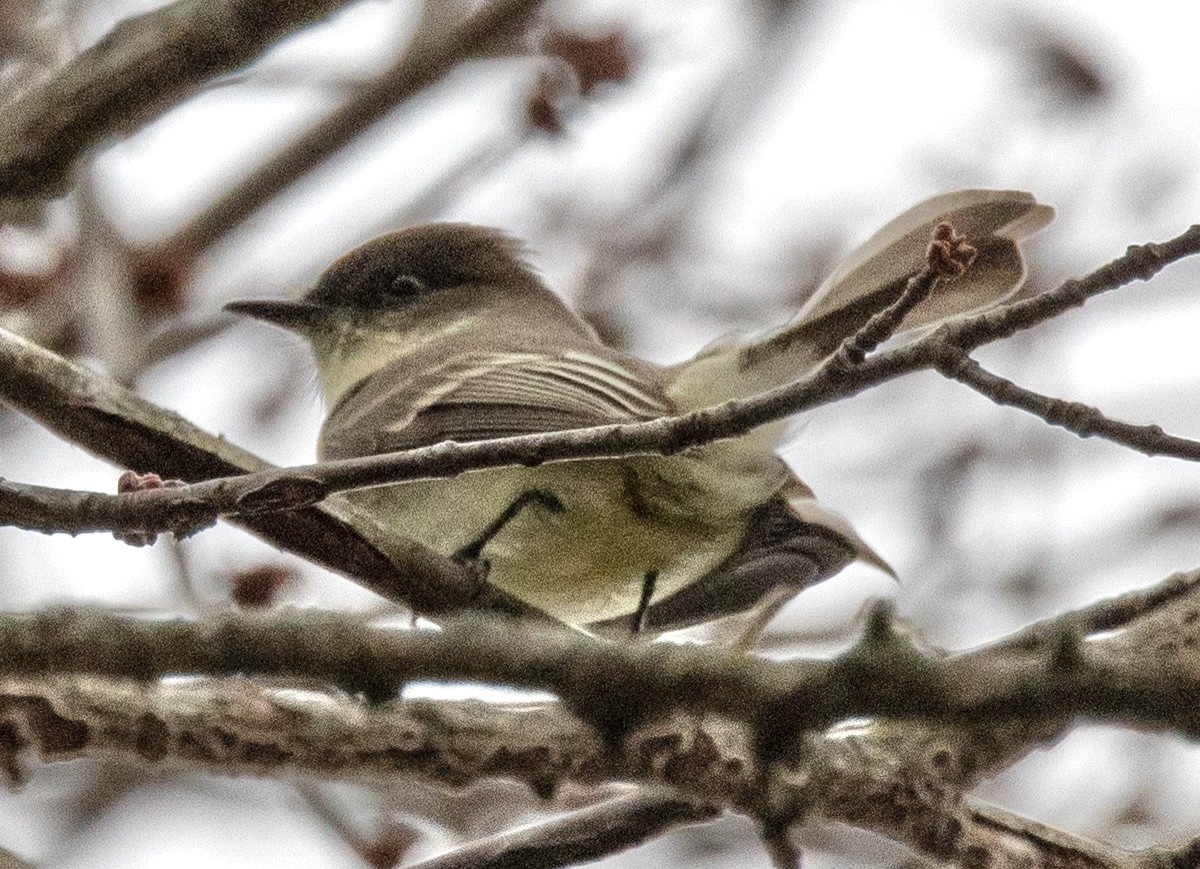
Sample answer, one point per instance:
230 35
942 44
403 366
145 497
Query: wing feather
489 395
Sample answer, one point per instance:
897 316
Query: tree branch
1051 847
902 779
1077 418
610 827
112 422
264 732
139 70
191 507
615 687
427 61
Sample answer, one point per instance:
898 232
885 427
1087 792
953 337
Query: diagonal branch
1074 416
428 61
610 827
190 507
112 422
141 68
1139 263
1110 614
1051 847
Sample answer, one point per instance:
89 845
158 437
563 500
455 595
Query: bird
444 331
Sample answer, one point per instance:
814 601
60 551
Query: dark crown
418 260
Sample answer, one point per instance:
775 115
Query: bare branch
616 687
1051 847
1139 263
902 779
1186 856
195 506
610 827
139 70
9 860
1075 417
266 731
1109 614
112 422
949 255
490 27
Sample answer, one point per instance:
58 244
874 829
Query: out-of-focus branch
1109 614
139 70
1186 856
840 376
431 57
610 827
1050 847
110 421
9 860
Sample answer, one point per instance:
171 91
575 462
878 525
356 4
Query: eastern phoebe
443 332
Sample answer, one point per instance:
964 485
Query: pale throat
349 353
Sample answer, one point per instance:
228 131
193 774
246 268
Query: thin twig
1139 263
1078 418
948 257
194 506
610 827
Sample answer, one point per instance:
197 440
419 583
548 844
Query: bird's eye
406 286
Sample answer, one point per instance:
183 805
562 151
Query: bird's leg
639 615
541 497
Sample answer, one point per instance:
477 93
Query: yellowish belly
621 519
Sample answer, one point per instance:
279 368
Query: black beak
288 313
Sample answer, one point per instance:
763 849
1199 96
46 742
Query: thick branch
110 421
902 780
617 686
139 70
265 732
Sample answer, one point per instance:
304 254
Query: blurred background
678 170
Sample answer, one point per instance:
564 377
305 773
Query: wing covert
492 395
